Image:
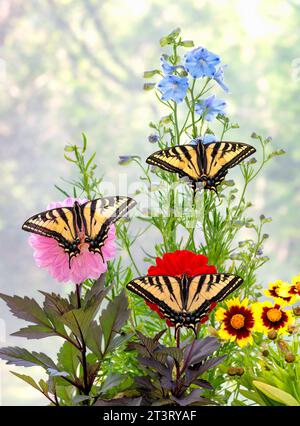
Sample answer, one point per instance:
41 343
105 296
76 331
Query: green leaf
55 304
24 358
67 358
79 320
93 339
110 382
117 341
80 398
97 292
28 380
26 309
114 317
35 332
276 394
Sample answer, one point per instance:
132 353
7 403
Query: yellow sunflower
275 291
291 290
270 316
237 322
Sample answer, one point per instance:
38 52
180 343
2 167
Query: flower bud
289 357
126 159
149 74
283 346
292 329
235 371
69 148
296 311
254 136
165 120
149 86
272 335
187 43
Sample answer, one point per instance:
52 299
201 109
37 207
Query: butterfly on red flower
183 288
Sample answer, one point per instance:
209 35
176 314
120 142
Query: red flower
178 263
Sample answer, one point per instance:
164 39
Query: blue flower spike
173 88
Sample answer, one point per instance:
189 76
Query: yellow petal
220 314
233 302
224 335
245 341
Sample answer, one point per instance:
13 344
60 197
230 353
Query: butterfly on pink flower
75 238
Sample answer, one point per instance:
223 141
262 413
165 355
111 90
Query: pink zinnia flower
49 255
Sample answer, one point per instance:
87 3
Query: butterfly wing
181 159
161 290
203 290
58 223
221 156
99 214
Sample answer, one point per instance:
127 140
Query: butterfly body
82 226
185 301
207 164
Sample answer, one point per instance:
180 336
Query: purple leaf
200 349
194 396
131 402
35 332
26 309
24 358
152 363
114 317
203 384
210 364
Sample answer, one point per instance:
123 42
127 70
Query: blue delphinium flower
201 62
208 138
210 107
218 76
153 138
173 88
167 68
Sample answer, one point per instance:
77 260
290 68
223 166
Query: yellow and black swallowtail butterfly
205 163
185 301
85 223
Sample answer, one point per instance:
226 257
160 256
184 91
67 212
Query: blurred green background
69 66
